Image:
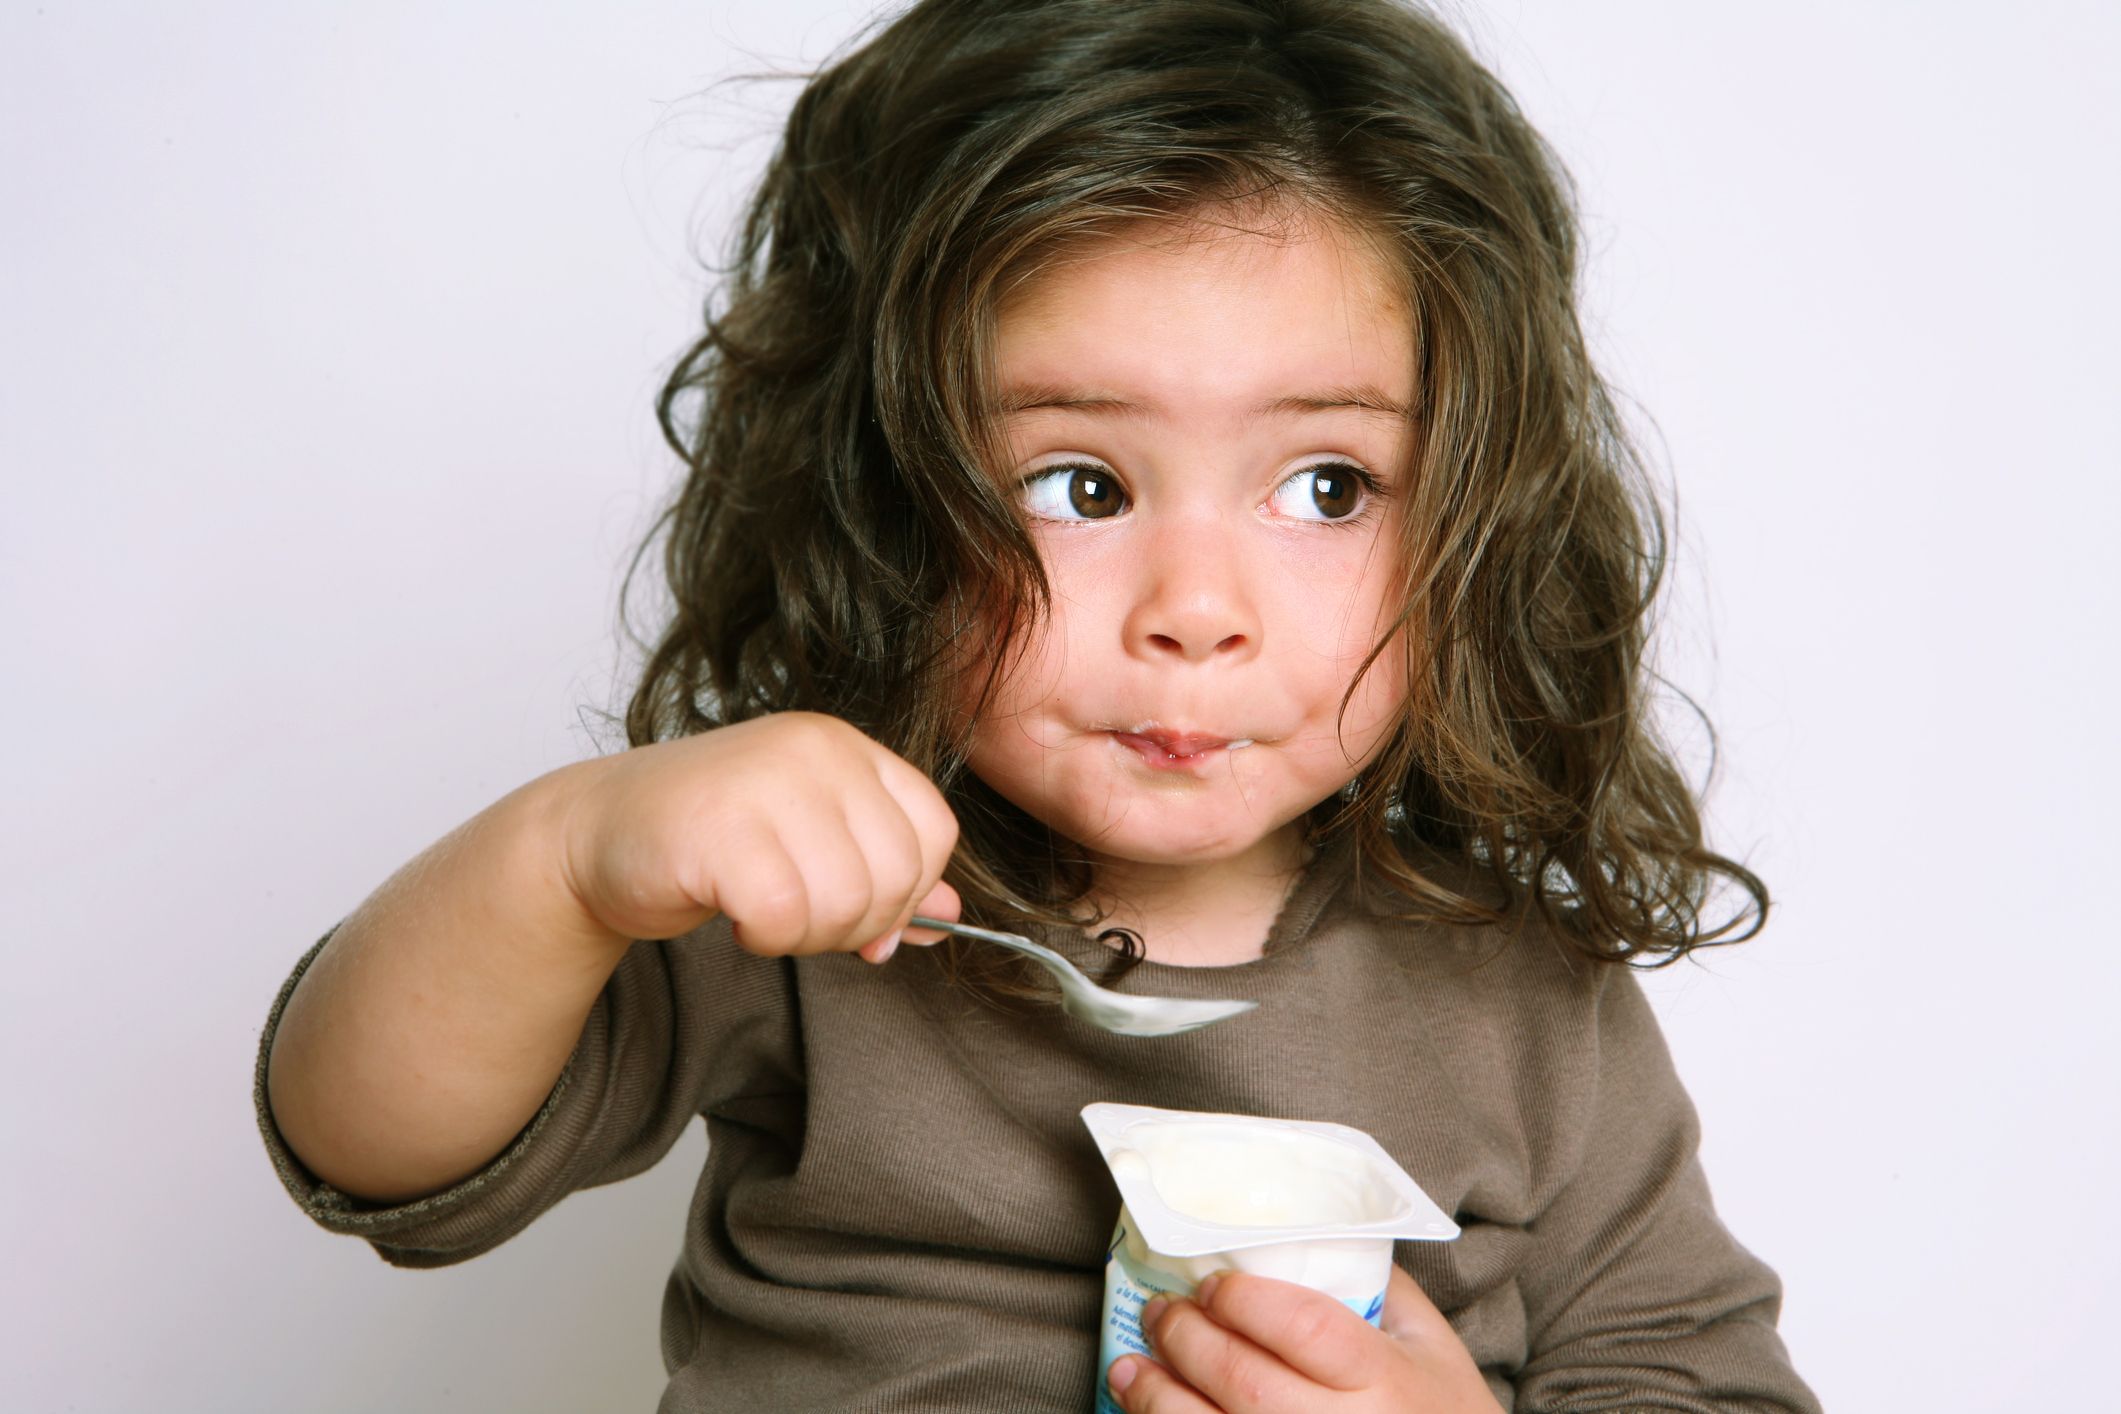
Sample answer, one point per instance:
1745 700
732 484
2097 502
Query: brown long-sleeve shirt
903 1211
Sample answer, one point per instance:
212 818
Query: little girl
1147 488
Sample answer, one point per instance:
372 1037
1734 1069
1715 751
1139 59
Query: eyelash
1374 493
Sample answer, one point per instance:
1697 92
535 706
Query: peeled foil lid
1134 1138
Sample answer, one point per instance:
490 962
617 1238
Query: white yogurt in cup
1317 1204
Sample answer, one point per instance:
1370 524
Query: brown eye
1092 494
1074 493
1335 494
1329 492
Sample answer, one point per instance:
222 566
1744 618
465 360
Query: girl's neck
1214 913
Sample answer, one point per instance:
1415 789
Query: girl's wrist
555 820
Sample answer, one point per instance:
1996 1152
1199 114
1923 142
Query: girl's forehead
1186 312
1190 254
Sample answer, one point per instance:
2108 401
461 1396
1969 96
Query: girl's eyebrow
1046 397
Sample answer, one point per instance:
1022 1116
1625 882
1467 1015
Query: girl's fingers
836 875
1315 1335
1154 1390
797 883
934 827
835 856
764 894
1238 1374
891 855
926 808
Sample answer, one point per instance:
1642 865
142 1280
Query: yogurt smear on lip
1164 749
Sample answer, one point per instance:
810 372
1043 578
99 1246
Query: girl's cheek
1380 700
994 679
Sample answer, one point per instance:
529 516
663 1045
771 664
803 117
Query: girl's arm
1641 1287
435 1022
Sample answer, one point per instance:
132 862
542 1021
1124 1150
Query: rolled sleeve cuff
471 1216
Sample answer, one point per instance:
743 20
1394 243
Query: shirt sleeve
1642 1300
679 1021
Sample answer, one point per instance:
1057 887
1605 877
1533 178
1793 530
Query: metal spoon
1118 1012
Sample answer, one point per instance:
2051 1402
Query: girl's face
1207 431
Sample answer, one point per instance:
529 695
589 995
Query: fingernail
1154 1309
1124 1370
883 950
1205 1292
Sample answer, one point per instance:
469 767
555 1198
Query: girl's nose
1196 599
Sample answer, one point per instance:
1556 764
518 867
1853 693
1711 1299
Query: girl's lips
1177 749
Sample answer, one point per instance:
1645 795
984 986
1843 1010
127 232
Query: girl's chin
1168 842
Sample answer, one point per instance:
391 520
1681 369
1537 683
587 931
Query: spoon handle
1016 941
1121 1013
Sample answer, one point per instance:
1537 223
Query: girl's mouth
1169 751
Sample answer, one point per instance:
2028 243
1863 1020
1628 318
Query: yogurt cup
1313 1203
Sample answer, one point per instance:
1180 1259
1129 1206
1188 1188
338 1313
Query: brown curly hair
836 533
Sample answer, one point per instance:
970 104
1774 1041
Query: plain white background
327 342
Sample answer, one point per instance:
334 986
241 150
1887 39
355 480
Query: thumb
939 902
1421 1332
1410 1317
